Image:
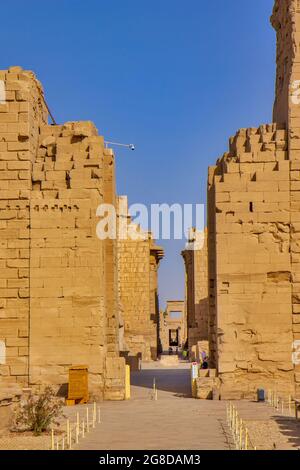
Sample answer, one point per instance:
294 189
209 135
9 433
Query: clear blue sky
175 77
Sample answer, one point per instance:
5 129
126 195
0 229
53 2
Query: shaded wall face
134 288
196 292
251 324
282 24
201 293
154 306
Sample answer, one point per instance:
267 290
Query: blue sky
175 77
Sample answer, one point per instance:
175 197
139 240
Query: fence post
68 432
52 439
77 427
94 415
241 434
87 420
154 389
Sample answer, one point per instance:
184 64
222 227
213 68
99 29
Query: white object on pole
118 144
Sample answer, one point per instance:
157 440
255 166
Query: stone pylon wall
21 115
138 288
286 21
68 306
253 242
250 270
196 291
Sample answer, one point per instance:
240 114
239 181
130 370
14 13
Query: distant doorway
174 338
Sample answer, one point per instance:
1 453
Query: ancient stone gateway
172 326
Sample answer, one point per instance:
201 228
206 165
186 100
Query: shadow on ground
290 427
169 380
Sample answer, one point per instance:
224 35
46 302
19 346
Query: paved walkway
174 421
269 429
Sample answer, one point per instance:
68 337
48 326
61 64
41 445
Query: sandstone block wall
286 21
21 116
253 237
60 301
252 321
138 288
196 290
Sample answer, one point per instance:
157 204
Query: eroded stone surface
58 287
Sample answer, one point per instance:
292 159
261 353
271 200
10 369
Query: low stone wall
207 385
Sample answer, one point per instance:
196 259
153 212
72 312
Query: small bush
39 412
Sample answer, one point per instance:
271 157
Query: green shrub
38 412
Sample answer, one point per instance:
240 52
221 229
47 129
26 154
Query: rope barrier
72 433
